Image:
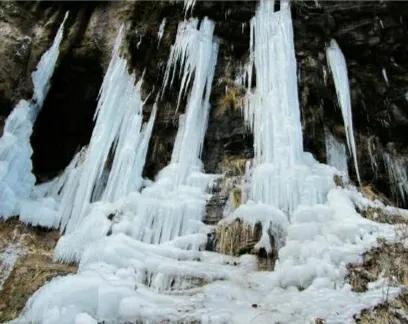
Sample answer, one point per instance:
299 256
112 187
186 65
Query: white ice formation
284 176
336 153
16 178
338 68
397 171
161 31
189 5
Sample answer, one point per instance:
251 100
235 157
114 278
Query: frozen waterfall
16 178
284 176
118 131
174 204
141 249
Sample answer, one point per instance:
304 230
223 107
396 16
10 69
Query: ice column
196 52
338 67
116 153
16 178
174 205
283 176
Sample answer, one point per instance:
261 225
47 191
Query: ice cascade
157 233
118 139
16 178
111 166
152 267
283 176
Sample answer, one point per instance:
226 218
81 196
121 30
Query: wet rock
237 238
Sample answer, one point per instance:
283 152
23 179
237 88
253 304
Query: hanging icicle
161 31
338 67
189 5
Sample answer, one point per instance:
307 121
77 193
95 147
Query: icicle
338 67
371 148
336 153
127 167
16 178
189 5
161 31
45 69
384 73
398 176
174 205
182 50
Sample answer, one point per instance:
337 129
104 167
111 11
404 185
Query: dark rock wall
372 35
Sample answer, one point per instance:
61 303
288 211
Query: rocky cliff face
372 36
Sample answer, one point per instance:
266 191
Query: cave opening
65 122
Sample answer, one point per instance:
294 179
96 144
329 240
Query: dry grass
237 238
231 101
233 166
34 266
388 260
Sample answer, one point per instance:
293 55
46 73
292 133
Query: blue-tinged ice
16 178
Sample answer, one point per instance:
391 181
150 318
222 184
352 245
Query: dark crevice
65 122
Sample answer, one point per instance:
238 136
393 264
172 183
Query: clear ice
336 153
396 169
